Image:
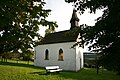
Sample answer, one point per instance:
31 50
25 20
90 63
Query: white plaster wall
79 58
69 53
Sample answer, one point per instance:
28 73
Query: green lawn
23 71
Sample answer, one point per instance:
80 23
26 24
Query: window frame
61 55
46 54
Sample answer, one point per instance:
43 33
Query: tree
19 24
105 33
28 55
49 30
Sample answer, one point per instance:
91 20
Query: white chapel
62 48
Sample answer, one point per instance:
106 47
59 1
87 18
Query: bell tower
74 20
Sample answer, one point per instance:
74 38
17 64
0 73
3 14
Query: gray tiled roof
60 37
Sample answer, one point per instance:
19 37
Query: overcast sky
62 13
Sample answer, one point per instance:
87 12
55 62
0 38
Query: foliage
19 24
28 55
70 1
23 71
47 31
106 32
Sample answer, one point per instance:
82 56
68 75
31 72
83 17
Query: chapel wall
69 55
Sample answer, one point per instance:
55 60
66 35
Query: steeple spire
74 20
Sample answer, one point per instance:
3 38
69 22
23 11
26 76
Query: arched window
46 54
60 55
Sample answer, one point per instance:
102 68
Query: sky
62 13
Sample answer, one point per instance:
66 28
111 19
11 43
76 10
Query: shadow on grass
20 65
44 73
39 73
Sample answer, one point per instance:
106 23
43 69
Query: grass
23 71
